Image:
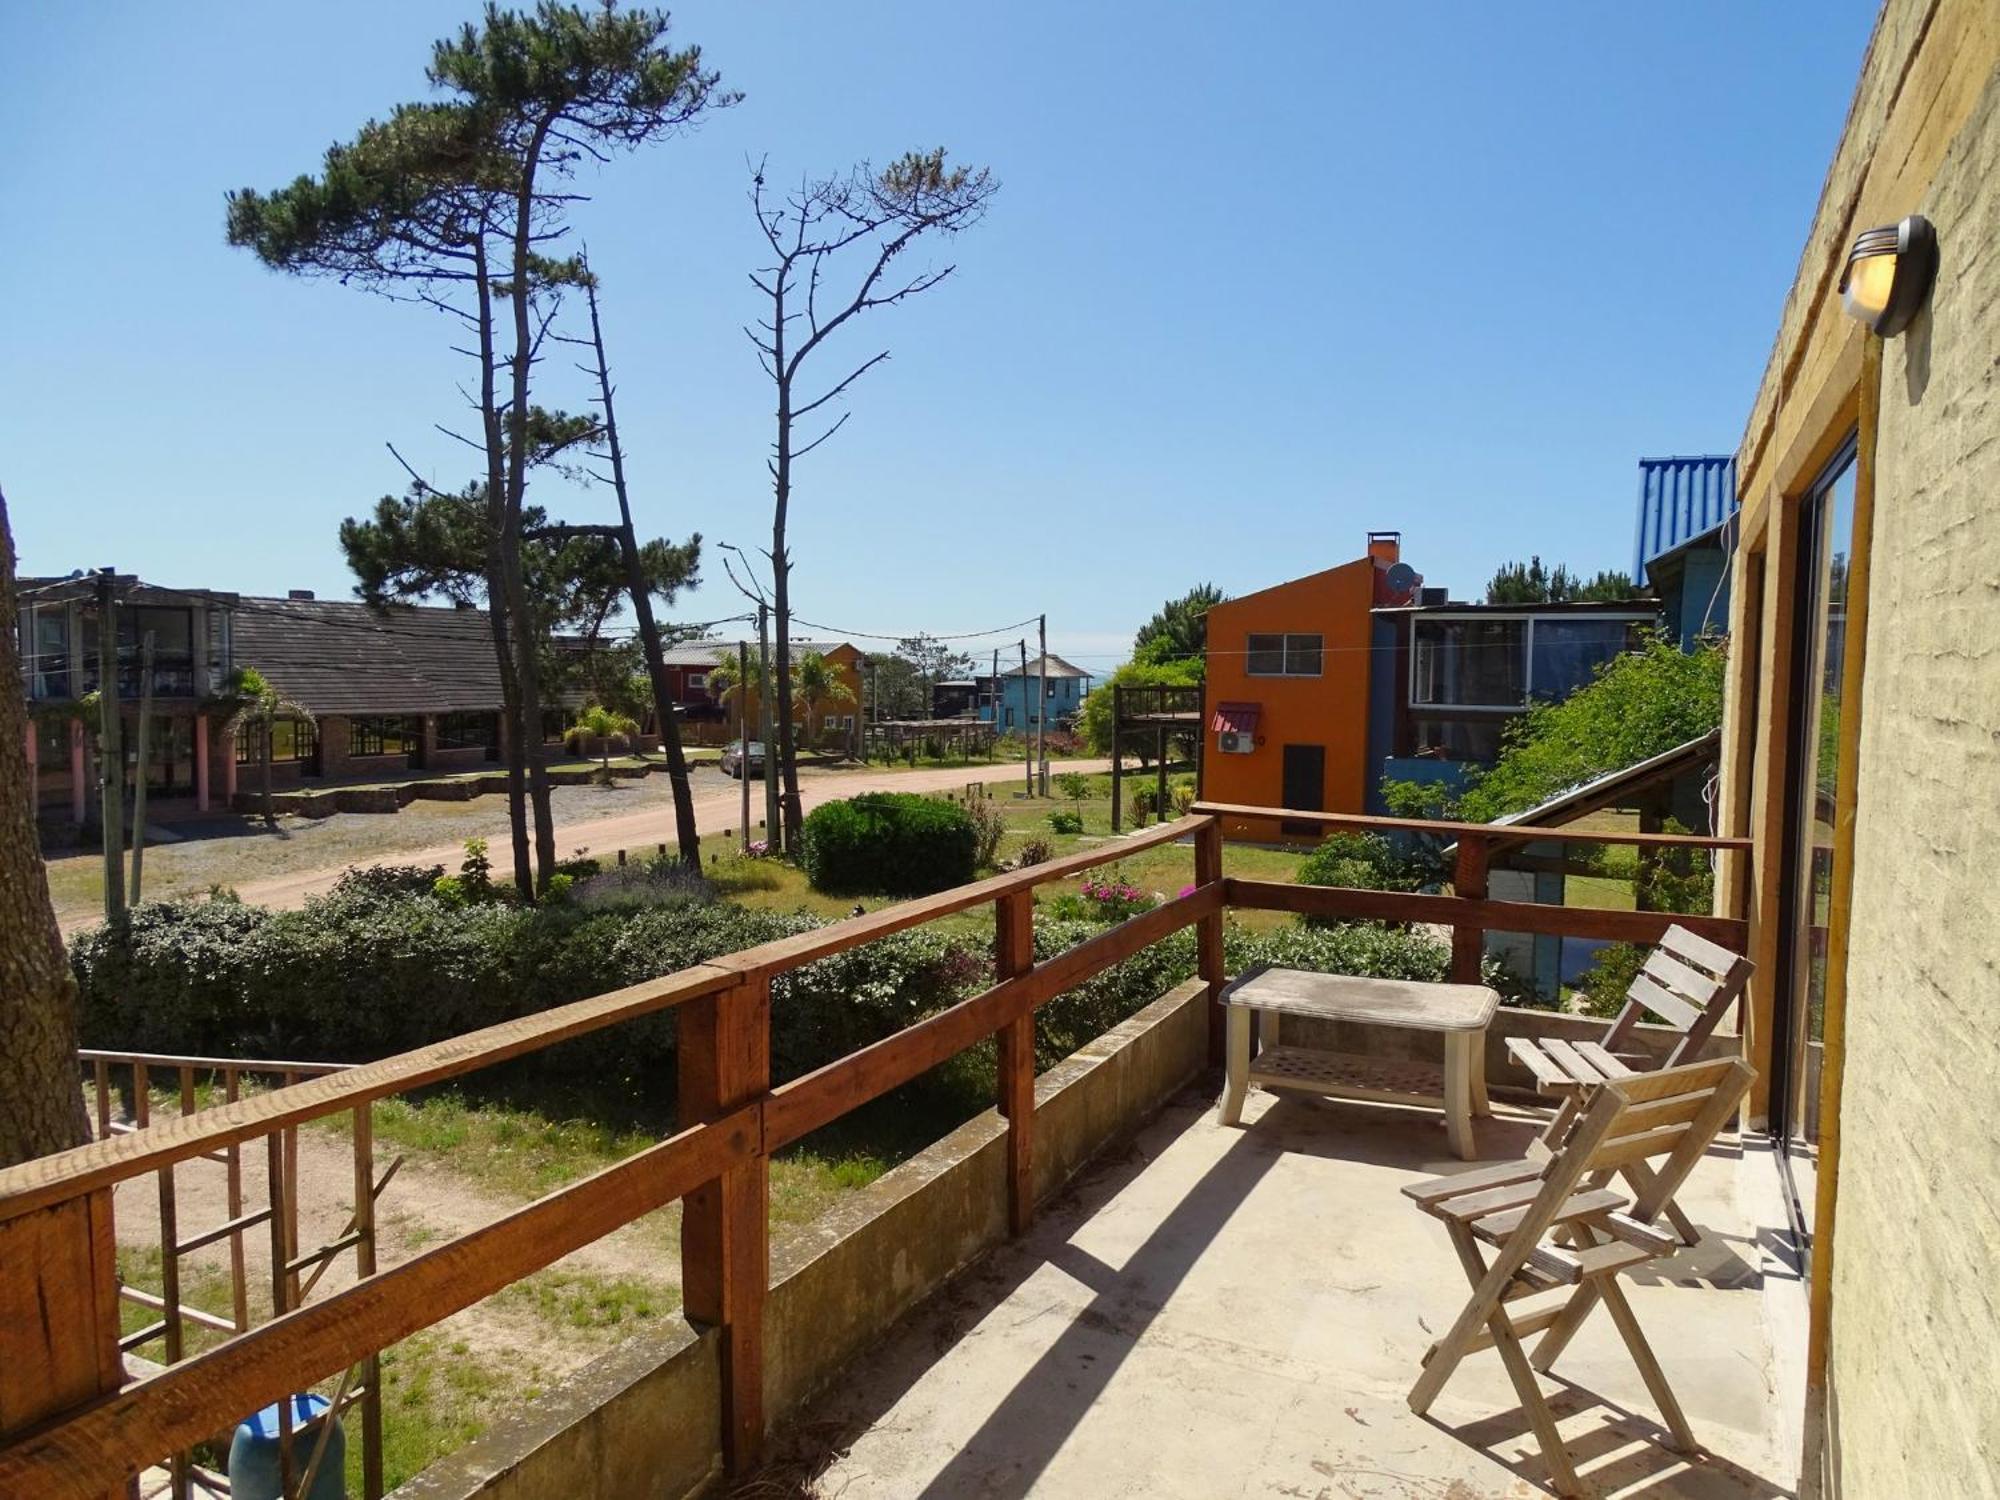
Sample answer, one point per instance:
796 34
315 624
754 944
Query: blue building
1685 538
1016 696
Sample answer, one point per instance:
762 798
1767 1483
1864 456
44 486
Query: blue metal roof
1681 499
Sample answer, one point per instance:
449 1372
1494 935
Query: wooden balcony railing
73 1425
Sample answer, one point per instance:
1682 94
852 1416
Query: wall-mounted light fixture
1889 274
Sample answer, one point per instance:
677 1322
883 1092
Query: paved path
713 811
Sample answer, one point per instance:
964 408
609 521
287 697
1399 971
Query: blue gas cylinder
254 1469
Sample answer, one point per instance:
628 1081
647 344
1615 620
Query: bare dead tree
640 589
868 219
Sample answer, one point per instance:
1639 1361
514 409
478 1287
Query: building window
555 724
1469 663
1564 655
384 736
468 731
48 652
698 682
291 740
1286 655
1500 663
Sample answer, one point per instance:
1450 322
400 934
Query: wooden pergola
1161 712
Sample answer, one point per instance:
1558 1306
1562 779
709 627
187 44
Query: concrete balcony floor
1240 1313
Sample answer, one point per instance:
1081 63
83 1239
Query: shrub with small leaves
988 826
893 843
1033 852
1062 820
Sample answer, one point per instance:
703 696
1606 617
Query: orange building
1285 701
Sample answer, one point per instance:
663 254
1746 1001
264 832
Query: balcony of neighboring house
1448 679
1102 1285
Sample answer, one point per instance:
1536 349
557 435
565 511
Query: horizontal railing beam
1495 832
212 1064
1341 902
823 942
49 1179
92 1453
798 1108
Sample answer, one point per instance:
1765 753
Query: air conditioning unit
1234 742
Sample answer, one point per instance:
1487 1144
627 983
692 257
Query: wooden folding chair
1687 981
1673 1113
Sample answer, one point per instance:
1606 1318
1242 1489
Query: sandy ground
305 857
423 1205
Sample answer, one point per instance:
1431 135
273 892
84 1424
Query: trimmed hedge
375 968
889 843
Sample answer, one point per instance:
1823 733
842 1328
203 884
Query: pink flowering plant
1115 899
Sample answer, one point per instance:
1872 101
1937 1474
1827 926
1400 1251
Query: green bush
1062 820
1602 986
354 976
891 843
1102 1001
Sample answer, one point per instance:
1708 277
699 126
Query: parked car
733 757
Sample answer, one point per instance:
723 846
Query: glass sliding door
1826 545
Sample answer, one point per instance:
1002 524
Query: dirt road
714 811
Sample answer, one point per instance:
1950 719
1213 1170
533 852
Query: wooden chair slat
1692 947
1689 983
1687 1078
1528 1053
1647 993
1495 1227
1574 1266
1675 1109
1571 1061
1641 1147
1435 1189
1594 1054
1644 1236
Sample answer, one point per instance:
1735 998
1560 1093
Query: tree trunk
526 667
496 586
781 606
686 835
41 1104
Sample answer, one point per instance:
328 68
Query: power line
876 635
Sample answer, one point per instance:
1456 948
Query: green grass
593 1303
525 1147
437 1396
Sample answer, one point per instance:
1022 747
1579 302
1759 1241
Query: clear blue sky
1260 278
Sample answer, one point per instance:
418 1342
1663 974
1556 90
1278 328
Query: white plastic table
1460 1012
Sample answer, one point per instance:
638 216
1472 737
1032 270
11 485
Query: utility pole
1027 743
743 732
773 834
139 785
993 703
110 746
1042 712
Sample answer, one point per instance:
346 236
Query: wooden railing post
1208 932
59 1309
724 1047
1014 955
1468 881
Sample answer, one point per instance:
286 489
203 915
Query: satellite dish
1401 578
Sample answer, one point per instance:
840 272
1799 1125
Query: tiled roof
1057 668
336 657
711 653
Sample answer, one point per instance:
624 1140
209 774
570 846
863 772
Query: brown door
1304 783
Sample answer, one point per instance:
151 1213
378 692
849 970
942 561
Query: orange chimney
1385 546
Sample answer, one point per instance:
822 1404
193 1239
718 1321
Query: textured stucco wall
1916 1302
